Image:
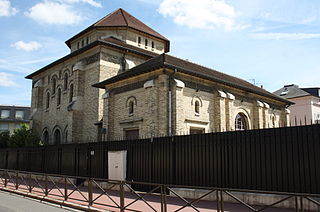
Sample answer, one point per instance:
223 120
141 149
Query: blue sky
266 42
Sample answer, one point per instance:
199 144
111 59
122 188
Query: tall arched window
45 137
196 107
47 100
66 76
139 40
54 85
152 44
241 122
59 97
71 93
131 107
146 42
57 136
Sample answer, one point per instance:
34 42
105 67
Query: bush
23 137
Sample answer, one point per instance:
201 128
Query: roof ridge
124 17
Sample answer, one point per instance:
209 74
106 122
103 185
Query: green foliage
20 138
4 139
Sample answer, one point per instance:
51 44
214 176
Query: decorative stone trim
260 104
38 83
231 96
148 84
129 121
222 94
287 111
196 121
77 66
266 105
179 83
105 95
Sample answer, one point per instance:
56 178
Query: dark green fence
278 159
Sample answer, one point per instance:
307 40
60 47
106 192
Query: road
15 203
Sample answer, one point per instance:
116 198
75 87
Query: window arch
59 97
146 42
152 44
139 40
47 100
70 93
197 107
131 107
65 82
54 85
57 136
45 137
130 104
241 122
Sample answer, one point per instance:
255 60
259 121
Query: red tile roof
121 18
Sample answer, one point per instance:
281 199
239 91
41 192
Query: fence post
46 185
30 188
65 189
5 179
90 191
17 183
301 204
121 196
297 205
218 201
163 199
222 203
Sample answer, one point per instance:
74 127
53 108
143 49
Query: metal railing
92 194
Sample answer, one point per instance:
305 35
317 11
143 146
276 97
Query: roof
293 91
110 42
183 66
121 18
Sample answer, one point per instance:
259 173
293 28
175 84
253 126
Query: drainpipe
170 104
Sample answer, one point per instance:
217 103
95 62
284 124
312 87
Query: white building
306 109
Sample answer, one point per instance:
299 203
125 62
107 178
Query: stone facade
165 105
67 108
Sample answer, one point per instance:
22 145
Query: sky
270 43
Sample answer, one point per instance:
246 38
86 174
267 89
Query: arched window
71 93
131 107
66 76
241 122
139 40
54 85
197 107
57 136
152 44
47 100
146 42
59 97
45 137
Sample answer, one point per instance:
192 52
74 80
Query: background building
12 117
144 95
306 109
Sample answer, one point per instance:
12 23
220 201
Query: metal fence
279 159
95 194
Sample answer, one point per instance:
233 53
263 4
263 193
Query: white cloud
6 9
26 46
49 12
286 36
6 80
201 13
91 2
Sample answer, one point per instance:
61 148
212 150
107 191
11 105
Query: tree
23 137
4 139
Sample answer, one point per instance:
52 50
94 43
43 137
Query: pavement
16 203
